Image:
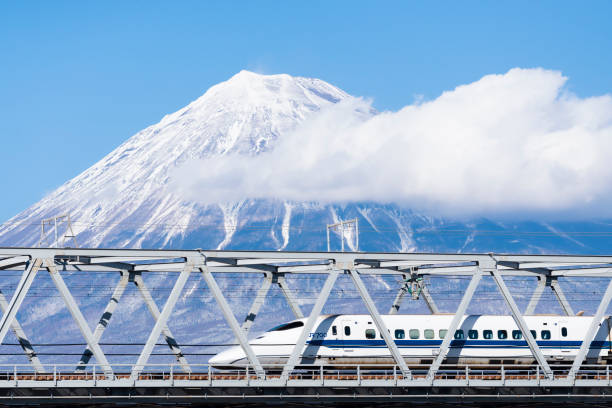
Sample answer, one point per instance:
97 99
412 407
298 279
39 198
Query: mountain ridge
121 201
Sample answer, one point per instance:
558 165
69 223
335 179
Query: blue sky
78 78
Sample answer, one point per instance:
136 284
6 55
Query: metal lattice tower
348 230
53 225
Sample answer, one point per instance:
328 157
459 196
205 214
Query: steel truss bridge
93 379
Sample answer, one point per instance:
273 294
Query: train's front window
287 326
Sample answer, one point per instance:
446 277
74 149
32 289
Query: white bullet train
480 339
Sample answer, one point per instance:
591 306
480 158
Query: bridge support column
554 285
429 301
23 286
233 323
166 333
397 302
310 322
380 324
293 304
592 331
537 294
161 322
520 322
454 325
22 338
78 317
543 282
260 298
104 320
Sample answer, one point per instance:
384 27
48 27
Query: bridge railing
307 375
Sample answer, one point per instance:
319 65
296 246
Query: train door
348 333
563 336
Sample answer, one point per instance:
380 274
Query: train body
480 339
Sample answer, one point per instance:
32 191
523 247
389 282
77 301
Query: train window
564 331
287 326
534 334
502 334
414 333
428 334
545 334
487 334
472 334
459 335
442 333
517 334
399 334
347 330
334 331
370 334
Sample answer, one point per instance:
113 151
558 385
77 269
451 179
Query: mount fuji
123 200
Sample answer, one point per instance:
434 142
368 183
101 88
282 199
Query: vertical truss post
154 310
293 304
454 325
20 292
22 338
380 324
520 322
554 285
260 298
233 323
592 331
104 320
537 295
397 302
177 289
78 317
310 322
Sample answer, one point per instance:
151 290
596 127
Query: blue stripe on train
456 343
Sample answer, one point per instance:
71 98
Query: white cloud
513 142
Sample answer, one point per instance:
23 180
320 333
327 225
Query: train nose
230 356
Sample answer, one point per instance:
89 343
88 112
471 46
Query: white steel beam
20 292
293 304
536 296
554 285
13 261
78 317
233 323
105 319
260 298
397 302
592 331
429 301
22 338
154 310
310 322
380 324
520 322
454 325
161 322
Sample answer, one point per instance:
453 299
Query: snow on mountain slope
124 191
121 202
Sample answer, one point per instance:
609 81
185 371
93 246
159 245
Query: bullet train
480 339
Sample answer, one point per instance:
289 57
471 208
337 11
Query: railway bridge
94 378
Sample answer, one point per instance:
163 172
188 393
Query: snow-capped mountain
122 201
